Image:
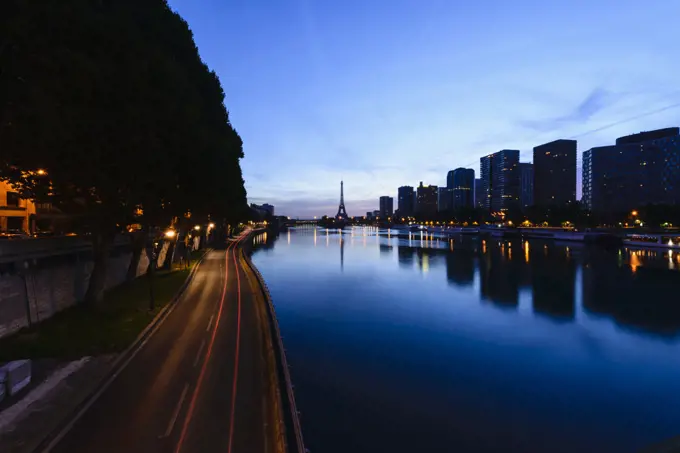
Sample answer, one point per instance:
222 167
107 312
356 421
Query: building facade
640 169
386 207
479 194
500 180
555 173
405 201
16 214
445 199
526 190
463 188
427 200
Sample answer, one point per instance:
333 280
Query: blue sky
389 93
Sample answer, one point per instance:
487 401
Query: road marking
197 389
210 323
175 414
119 366
238 344
198 356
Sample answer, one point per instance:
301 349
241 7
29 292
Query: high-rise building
449 179
386 206
463 188
500 180
427 200
526 191
445 199
405 201
479 194
555 173
640 169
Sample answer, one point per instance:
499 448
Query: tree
113 102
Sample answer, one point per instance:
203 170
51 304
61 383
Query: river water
420 344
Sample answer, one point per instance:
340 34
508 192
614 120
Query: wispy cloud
595 102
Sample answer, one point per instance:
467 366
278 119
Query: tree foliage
112 100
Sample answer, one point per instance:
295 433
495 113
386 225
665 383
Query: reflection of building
16 214
405 201
553 283
640 169
460 267
479 194
463 188
636 298
405 255
526 191
555 173
500 180
386 206
499 278
427 200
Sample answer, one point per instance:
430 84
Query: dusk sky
387 93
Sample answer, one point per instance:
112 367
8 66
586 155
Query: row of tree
108 112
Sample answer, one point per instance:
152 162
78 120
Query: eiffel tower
342 214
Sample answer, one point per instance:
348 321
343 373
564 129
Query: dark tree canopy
113 101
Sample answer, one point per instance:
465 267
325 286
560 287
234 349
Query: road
200 382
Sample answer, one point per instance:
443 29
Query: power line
616 123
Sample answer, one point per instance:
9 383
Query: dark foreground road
200 383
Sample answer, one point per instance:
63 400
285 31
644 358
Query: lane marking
175 414
236 355
135 349
210 323
198 356
197 389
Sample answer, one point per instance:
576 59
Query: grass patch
83 331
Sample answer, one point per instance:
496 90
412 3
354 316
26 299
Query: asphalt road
200 382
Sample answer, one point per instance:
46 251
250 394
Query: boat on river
653 240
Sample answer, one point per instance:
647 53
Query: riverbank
72 352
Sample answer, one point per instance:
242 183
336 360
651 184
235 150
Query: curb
296 443
124 358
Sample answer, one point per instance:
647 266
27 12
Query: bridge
211 376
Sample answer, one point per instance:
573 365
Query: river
420 344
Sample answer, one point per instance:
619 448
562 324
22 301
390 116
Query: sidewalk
25 423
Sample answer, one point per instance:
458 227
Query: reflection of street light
170 234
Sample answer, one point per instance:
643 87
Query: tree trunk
138 244
101 248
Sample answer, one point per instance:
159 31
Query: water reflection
446 341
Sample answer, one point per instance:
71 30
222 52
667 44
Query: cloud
596 101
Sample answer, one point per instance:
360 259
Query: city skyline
404 99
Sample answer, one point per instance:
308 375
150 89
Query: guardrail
294 440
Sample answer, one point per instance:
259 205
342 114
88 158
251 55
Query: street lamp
634 213
170 234
211 226
197 227
42 172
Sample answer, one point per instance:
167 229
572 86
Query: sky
383 93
